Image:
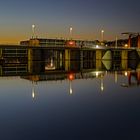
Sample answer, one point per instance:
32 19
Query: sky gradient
54 17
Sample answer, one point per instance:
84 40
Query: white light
102 85
97 46
125 73
102 88
33 93
71 29
33 30
33 26
97 74
71 91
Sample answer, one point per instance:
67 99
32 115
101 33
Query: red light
71 43
71 77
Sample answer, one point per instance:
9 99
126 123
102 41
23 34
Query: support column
98 54
129 41
0 52
139 41
67 59
81 60
138 77
129 78
30 60
98 59
124 59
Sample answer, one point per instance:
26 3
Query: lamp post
102 35
71 29
33 30
116 42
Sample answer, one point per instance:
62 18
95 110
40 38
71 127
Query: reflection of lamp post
70 77
71 88
33 93
102 84
116 77
33 90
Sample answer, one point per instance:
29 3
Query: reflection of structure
132 36
102 83
135 75
116 76
133 79
50 65
33 90
100 75
70 77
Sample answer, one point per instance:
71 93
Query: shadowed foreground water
47 110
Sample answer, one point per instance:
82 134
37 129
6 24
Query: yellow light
126 45
33 95
97 46
125 73
97 74
70 91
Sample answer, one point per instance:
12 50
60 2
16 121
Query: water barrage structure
133 37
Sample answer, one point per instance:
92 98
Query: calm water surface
95 105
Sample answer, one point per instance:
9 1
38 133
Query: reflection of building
50 65
133 79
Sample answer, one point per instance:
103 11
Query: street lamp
33 30
71 32
116 42
102 35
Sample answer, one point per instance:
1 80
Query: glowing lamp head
102 31
126 45
71 43
71 29
33 26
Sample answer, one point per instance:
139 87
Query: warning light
71 77
71 43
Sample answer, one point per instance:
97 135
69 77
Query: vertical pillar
129 41
124 59
98 54
81 60
139 41
138 77
30 58
67 59
61 58
0 52
1 71
129 78
98 59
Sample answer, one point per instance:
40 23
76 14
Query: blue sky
54 17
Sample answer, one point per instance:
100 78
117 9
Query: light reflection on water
89 105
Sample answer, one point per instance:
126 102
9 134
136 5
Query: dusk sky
54 17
